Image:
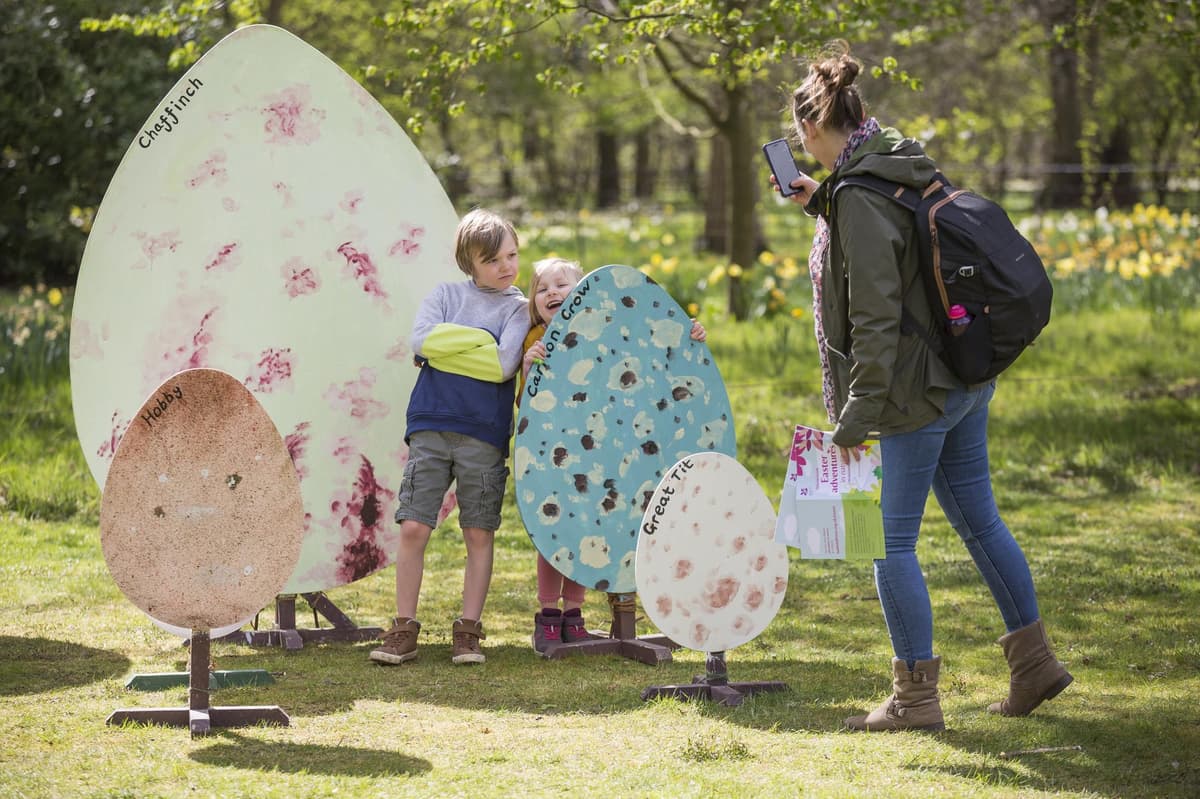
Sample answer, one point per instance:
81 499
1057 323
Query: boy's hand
698 331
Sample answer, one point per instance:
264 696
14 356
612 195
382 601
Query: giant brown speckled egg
201 519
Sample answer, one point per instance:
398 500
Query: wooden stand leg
714 685
198 693
622 639
198 716
288 636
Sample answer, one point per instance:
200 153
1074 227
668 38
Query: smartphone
783 165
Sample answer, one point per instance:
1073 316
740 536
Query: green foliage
33 335
506 100
717 58
192 27
70 104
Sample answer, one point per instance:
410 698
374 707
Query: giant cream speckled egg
709 571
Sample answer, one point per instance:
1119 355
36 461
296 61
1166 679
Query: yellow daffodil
789 270
1064 266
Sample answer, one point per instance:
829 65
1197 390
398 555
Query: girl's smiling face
552 289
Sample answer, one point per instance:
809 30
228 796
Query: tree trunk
456 176
553 187
745 234
1064 184
608 169
644 173
274 13
688 175
716 199
508 183
1118 187
542 158
1160 158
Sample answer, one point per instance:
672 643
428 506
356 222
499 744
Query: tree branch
690 94
662 113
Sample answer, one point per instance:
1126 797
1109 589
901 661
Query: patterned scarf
816 259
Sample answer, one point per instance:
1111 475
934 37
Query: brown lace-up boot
913 704
1035 674
467 633
399 643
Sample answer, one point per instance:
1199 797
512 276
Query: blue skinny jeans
949 454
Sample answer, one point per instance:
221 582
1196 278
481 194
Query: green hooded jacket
884 382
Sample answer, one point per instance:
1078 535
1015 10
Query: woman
880 381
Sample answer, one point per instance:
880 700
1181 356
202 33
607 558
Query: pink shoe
573 628
547 630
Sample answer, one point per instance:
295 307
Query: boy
468 340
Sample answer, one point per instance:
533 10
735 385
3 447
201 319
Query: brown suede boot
465 635
913 704
399 643
1035 675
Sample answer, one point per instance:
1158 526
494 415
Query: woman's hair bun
848 70
828 95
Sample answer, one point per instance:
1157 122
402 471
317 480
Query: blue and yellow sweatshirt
470 342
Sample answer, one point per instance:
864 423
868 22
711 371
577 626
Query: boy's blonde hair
480 234
541 271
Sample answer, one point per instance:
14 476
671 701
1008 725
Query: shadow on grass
239 752
1114 755
332 679
35 665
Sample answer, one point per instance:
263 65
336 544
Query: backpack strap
910 198
907 196
910 326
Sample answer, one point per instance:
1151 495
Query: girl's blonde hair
542 270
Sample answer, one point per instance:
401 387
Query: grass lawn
1096 457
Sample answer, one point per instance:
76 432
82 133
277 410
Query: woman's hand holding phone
786 177
804 187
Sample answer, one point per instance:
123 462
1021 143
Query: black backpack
971 255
